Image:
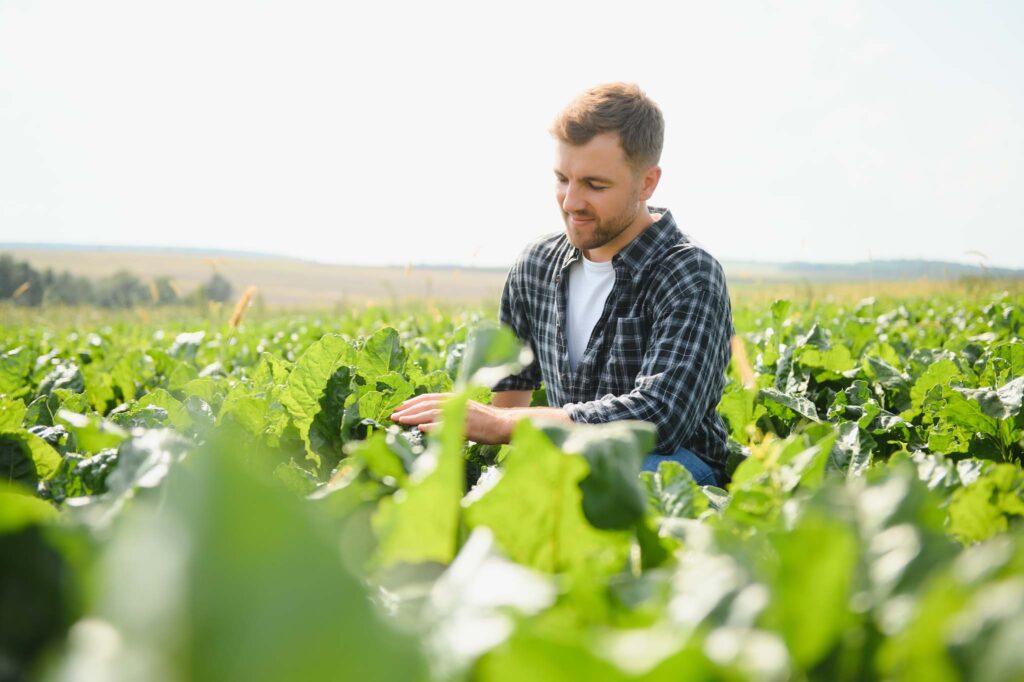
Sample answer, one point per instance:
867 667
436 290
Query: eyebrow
590 178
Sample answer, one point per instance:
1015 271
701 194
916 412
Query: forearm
512 398
508 417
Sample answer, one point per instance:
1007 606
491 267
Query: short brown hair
622 108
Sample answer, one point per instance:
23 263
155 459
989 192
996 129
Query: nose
571 201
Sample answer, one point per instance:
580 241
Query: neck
641 222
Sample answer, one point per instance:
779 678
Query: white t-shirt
589 286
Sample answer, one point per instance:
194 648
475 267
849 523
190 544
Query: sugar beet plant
198 502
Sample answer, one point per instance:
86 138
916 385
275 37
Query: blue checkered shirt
659 351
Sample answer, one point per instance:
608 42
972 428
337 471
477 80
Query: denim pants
702 473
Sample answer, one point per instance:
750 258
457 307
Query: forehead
602 154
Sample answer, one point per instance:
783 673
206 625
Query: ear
649 182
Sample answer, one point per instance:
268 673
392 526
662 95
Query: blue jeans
702 473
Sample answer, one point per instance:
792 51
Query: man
627 318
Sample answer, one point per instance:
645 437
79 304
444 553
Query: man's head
606 167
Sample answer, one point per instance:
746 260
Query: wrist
506 423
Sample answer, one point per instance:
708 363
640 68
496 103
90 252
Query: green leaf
885 374
382 353
26 458
613 498
817 561
230 577
541 658
99 388
92 433
535 510
937 374
835 362
12 414
294 478
1003 403
326 432
672 492
15 366
380 460
780 309
966 413
738 408
176 412
420 522
851 453
492 353
308 381
988 506
206 389
801 406
19 508
63 376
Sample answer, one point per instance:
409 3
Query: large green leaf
26 458
92 433
937 374
988 506
798 404
382 353
308 381
814 573
851 453
535 510
231 578
20 508
12 414
672 492
492 353
420 523
1001 403
740 410
834 363
613 498
15 365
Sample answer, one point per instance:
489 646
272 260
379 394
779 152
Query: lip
580 221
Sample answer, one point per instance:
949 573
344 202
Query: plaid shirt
659 351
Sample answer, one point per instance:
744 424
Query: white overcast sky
387 133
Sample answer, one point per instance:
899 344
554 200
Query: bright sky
384 132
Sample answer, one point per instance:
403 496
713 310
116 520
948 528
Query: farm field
288 283
185 499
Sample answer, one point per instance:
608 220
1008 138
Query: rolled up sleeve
682 371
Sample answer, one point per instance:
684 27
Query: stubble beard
604 231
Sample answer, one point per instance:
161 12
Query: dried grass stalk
742 363
243 303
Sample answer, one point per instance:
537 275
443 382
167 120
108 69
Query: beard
603 231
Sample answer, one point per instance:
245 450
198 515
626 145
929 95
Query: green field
181 499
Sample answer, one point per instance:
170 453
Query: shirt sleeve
514 314
682 373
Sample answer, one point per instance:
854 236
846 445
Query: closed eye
590 183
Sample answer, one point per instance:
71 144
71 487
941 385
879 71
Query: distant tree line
30 287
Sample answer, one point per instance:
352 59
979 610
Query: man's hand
484 423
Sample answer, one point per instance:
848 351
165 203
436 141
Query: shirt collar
654 239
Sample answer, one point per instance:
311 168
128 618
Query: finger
429 427
424 417
415 400
416 408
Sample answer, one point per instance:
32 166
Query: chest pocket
625 353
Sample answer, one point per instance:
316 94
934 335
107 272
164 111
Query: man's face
598 191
